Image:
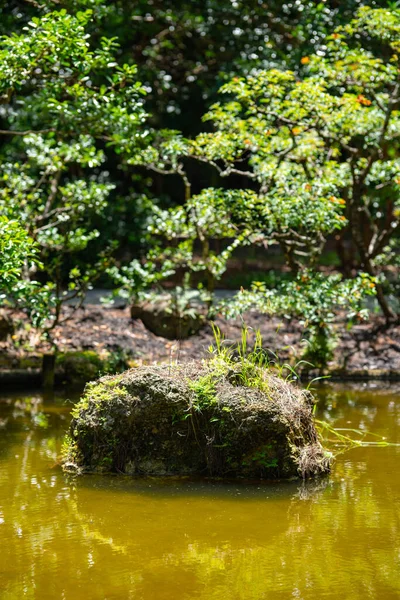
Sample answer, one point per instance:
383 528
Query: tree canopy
103 145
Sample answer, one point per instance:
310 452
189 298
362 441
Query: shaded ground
367 350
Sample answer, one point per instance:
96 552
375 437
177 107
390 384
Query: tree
306 144
296 155
52 80
17 252
181 237
63 101
180 243
185 51
320 149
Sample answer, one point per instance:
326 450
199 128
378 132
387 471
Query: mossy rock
157 317
78 366
166 420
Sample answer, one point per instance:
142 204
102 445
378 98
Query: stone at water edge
148 421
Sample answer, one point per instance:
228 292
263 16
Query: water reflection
116 537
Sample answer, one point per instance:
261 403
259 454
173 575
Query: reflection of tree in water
114 537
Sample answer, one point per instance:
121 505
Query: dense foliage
63 101
16 249
186 50
300 149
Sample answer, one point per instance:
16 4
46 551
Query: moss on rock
76 366
194 419
81 366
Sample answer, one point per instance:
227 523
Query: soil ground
367 350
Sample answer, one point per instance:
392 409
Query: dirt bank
366 351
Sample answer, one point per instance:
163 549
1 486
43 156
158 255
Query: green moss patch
86 365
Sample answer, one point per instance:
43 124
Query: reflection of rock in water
312 488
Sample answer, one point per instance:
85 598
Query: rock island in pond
211 419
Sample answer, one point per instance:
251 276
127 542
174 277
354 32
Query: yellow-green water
119 538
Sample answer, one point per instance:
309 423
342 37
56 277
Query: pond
113 537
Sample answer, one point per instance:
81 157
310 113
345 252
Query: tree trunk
366 261
343 256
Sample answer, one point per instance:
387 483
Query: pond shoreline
100 340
